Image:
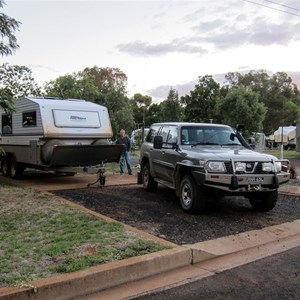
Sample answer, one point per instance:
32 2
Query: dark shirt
124 141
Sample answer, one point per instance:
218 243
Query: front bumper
242 182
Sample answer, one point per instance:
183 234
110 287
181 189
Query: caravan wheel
6 166
16 169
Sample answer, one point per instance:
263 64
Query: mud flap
139 178
85 155
275 182
234 183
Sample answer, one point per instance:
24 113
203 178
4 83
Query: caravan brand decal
77 118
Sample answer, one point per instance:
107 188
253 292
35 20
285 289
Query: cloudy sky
157 44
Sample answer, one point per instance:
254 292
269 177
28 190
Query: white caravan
68 135
287 136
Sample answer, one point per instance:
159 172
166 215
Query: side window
6 124
164 132
152 133
184 136
29 118
172 136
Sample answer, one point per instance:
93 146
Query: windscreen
208 135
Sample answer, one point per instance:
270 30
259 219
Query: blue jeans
125 157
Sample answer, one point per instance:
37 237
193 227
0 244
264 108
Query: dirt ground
160 213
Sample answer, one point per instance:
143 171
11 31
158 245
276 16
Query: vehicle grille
251 167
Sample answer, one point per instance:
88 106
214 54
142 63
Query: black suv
200 161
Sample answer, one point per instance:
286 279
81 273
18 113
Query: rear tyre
192 197
148 181
264 201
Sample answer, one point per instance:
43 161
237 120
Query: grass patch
40 237
286 153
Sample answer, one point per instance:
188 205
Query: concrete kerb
291 190
102 277
269 236
110 275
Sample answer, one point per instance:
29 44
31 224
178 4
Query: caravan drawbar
69 135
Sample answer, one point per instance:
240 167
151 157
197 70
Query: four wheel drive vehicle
202 161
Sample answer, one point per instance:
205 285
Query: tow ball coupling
254 187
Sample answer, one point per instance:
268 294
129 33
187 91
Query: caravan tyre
16 169
6 166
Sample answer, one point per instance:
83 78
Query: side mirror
158 142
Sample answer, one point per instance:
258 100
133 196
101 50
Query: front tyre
192 197
264 201
148 181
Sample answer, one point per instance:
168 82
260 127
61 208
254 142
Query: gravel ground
160 213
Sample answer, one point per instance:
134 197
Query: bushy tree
242 106
8 44
76 85
277 92
8 27
170 108
111 86
17 81
200 105
140 105
153 114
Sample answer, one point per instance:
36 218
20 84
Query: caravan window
6 124
29 118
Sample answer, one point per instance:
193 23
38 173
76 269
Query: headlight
240 167
278 166
270 167
216 167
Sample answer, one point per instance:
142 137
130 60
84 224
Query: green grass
286 153
40 237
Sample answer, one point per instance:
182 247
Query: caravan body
285 134
53 133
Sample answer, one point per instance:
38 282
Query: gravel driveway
160 213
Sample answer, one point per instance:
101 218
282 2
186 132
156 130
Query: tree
278 93
17 81
153 114
200 105
76 85
242 106
8 44
111 86
140 105
8 27
171 109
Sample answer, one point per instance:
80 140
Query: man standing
125 140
